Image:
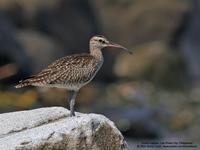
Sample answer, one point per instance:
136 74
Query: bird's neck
96 52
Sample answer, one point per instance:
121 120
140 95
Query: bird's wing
76 60
69 68
44 77
75 68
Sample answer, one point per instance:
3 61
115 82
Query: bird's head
100 42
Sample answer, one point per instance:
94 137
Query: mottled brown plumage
72 72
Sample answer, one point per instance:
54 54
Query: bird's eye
102 41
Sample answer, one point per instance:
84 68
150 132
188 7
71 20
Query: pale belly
66 85
73 87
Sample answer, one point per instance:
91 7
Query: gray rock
11 53
41 49
52 128
134 22
189 43
71 22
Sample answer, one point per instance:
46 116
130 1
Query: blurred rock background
152 94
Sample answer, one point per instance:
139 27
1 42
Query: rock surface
41 49
51 128
12 66
140 21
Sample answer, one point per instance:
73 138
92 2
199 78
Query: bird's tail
23 83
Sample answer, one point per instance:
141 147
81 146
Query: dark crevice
25 128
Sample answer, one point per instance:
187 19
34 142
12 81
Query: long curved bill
119 46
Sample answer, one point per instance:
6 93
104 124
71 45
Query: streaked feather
69 71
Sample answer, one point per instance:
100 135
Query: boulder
154 61
140 21
71 22
189 44
52 128
14 62
22 12
145 58
41 49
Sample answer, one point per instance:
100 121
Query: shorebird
74 71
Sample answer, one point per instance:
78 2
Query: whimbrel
72 72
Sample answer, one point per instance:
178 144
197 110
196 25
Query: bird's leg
72 98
